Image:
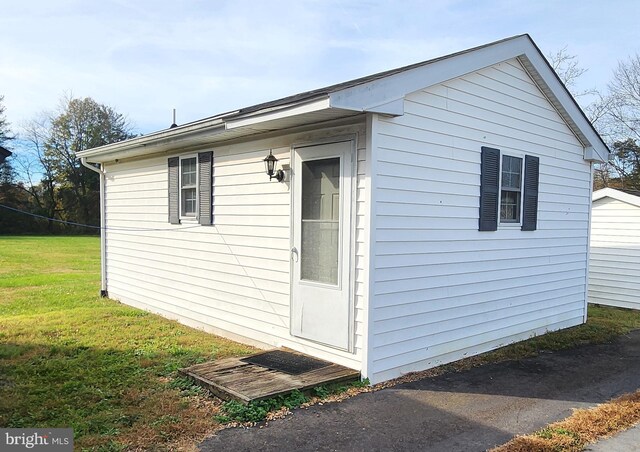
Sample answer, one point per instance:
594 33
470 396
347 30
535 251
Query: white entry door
320 257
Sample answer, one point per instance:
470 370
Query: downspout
586 282
103 232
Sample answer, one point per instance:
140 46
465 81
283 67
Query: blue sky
145 58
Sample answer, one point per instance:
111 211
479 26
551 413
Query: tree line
615 113
44 177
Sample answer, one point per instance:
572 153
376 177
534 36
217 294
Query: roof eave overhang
616 194
595 149
387 91
157 141
383 95
231 126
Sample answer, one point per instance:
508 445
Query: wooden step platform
244 381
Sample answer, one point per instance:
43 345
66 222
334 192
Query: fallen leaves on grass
163 419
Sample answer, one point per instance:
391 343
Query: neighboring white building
614 264
427 214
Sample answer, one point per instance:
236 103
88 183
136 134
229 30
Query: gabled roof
628 196
631 192
379 93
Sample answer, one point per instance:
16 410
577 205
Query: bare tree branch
569 70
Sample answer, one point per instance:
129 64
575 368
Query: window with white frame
510 189
188 186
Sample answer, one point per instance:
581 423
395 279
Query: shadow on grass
111 398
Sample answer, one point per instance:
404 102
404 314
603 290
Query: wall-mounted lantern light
270 163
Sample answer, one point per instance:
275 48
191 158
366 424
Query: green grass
603 325
69 358
257 411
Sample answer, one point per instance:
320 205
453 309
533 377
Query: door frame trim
351 138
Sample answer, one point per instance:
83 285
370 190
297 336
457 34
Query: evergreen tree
7 175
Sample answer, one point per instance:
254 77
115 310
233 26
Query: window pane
510 206
319 256
188 202
320 226
511 172
320 185
511 180
188 169
506 179
515 179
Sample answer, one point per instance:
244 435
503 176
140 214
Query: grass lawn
71 359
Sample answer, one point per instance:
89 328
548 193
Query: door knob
294 254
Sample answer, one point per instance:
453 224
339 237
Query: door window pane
320 229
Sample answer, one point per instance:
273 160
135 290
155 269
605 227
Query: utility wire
49 219
71 223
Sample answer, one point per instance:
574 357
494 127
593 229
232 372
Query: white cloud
146 57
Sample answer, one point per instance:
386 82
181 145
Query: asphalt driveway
467 411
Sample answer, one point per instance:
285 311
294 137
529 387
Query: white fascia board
258 120
185 136
387 90
394 107
595 149
616 194
393 87
148 143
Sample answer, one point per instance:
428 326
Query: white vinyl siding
614 267
231 278
441 289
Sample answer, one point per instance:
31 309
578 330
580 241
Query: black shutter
489 187
530 198
205 163
174 190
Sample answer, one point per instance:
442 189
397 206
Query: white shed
614 264
426 214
